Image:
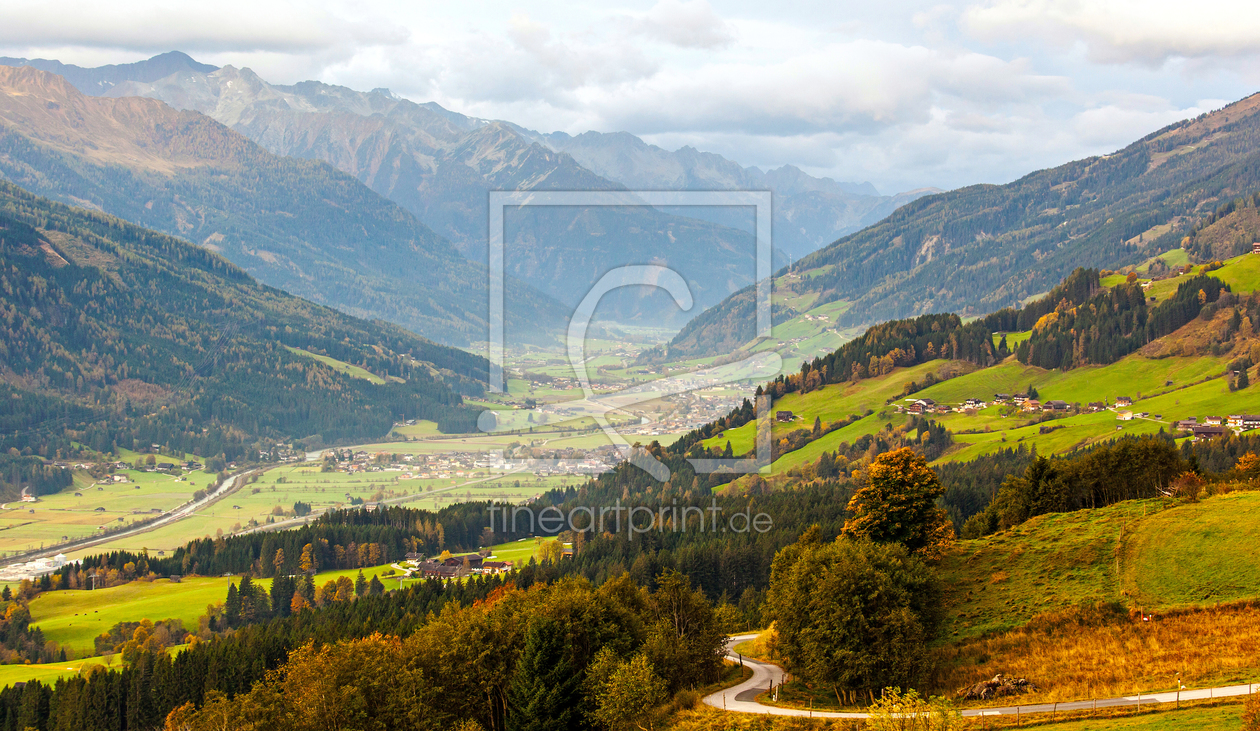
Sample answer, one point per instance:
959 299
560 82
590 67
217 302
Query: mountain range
439 165
301 225
981 248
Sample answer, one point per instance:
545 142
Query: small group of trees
855 614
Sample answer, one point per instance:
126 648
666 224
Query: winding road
742 698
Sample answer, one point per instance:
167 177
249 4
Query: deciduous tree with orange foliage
898 505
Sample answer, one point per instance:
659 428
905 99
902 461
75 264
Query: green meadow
82 509
1172 555
831 403
340 366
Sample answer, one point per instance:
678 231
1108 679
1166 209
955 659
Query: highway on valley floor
742 698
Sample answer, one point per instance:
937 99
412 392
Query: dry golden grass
706 718
1105 651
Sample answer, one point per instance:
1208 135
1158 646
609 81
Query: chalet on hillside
1032 404
1124 401
1056 406
1255 247
1124 415
784 416
974 403
1190 423
1019 399
435 570
474 561
1001 397
1214 420
1202 433
1097 406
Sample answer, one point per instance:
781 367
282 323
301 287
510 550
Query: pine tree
232 607
360 584
375 587
817 427
544 694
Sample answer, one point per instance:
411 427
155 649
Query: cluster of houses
1218 426
455 567
929 406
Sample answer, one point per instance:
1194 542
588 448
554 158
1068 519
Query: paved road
743 697
229 486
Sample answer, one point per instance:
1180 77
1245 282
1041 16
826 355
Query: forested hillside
117 336
981 248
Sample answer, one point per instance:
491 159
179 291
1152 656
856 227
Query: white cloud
904 94
692 24
1126 31
234 25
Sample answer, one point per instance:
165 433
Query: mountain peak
99 80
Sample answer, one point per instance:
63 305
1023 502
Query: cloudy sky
903 94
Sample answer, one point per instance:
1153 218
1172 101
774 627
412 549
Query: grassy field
1171 555
82 509
75 617
831 403
1212 718
1200 399
1013 339
10 674
1201 553
353 371
283 486
1241 273
1173 388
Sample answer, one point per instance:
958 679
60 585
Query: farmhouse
1124 415
1056 406
784 416
1244 421
1209 432
474 561
974 403
1001 397
435 570
1190 423
1214 420
1032 404
1019 399
1097 406
1124 401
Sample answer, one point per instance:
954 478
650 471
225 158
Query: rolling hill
985 247
116 336
300 225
